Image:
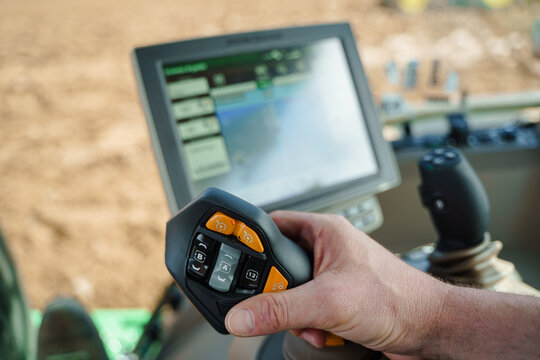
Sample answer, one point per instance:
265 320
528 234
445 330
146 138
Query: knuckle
336 221
311 230
273 314
332 226
324 224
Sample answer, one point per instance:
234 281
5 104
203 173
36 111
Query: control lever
456 199
459 207
221 250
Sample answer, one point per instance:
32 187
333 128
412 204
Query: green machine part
119 329
17 337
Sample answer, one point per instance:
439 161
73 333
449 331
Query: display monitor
281 118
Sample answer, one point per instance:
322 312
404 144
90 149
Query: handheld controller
221 250
455 197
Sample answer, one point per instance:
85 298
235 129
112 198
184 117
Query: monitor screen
270 125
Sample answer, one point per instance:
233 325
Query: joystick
459 207
221 250
455 197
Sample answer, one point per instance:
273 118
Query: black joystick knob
455 197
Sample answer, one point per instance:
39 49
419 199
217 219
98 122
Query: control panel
507 137
213 261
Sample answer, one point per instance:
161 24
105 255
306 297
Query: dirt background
81 201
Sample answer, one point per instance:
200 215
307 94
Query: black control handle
455 197
221 250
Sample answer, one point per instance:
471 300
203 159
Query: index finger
299 225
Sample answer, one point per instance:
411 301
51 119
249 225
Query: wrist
492 325
420 307
445 330
429 318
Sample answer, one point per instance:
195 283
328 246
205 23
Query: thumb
270 313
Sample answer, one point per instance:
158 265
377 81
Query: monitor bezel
148 64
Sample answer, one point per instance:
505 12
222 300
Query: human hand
360 291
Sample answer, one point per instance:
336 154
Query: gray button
366 206
225 267
438 161
353 211
438 151
359 224
370 218
439 204
450 155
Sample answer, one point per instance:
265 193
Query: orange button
275 281
333 340
249 237
221 223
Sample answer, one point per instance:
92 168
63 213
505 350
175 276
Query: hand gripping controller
221 250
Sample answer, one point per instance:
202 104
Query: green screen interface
270 125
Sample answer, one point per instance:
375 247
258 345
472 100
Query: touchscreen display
270 125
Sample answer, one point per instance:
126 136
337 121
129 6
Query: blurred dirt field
81 202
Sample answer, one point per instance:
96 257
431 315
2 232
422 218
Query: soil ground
81 201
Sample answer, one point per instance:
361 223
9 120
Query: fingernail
310 339
240 322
